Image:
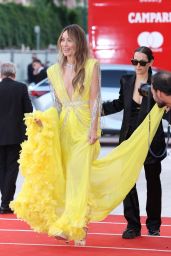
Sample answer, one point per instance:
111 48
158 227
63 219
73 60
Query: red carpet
104 239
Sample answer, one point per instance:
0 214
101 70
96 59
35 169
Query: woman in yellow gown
65 185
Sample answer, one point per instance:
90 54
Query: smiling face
68 45
142 70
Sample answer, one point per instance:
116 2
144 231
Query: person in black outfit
39 72
135 109
14 102
30 70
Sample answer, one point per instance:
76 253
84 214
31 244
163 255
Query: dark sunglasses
142 63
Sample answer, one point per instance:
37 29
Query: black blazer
124 103
40 76
14 102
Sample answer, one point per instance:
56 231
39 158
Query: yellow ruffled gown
66 185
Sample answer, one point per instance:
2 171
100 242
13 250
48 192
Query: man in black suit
30 70
14 102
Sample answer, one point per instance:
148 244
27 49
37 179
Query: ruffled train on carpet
46 199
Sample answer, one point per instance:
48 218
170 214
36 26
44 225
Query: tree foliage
18 22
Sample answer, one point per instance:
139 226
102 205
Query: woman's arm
51 79
55 98
95 103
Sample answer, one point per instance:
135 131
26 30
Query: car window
111 78
44 83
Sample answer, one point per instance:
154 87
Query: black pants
9 156
153 204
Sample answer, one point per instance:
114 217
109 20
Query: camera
145 89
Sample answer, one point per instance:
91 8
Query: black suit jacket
40 76
124 103
30 75
14 102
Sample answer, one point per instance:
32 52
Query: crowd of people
81 188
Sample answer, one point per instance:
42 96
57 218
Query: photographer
161 88
135 108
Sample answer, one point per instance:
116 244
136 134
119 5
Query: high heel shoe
80 242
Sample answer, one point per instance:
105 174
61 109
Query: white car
110 84
39 89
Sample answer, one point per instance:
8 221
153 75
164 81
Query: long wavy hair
148 52
77 34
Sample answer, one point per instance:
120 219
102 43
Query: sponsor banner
116 28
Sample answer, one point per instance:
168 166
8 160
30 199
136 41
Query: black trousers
153 204
9 155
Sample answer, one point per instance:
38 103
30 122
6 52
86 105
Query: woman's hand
93 136
38 122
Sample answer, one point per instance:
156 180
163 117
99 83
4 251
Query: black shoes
152 232
131 233
5 210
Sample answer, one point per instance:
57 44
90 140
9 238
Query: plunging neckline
64 87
